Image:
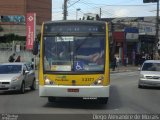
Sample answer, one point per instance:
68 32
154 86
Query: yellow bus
74 60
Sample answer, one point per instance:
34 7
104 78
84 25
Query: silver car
16 76
150 74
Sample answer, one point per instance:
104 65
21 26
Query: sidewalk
128 68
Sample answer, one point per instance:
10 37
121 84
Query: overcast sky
109 8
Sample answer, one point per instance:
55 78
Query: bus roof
76 21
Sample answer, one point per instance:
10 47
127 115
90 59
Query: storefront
119 38
132 44
147 43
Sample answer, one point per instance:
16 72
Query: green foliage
90 18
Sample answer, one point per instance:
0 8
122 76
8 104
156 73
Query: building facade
133 37
13 27
42 8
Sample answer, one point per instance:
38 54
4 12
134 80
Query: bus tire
103 100
51 99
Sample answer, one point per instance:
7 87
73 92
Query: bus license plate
73 90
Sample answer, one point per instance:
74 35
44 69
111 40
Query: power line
74 11
74 3
96 6
116 5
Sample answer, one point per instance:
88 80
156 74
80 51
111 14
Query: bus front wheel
51 99
103 100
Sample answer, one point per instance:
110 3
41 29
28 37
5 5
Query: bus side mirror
35 47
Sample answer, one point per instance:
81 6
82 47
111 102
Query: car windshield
10 69
151 67
71 53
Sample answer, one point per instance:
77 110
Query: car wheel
22 90
33 86
140 86
51 99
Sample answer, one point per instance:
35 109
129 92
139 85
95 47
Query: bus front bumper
73 91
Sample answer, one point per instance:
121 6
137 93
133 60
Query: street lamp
78 9
157 27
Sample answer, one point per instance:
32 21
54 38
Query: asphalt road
125 97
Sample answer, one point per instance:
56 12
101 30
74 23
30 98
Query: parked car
150 74
16 76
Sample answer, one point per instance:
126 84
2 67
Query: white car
16 76
150 74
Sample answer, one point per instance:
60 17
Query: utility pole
156 42
157 28
113 43
100 14
65 10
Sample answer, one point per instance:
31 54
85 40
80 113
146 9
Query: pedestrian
125 60
18 59
148 57
32 63
11 58
156 56
117 61
133 57
140 59
114 63
137 59
143 58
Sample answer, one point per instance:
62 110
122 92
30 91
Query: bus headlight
99 81
47 81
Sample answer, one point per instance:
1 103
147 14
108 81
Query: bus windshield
74 53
